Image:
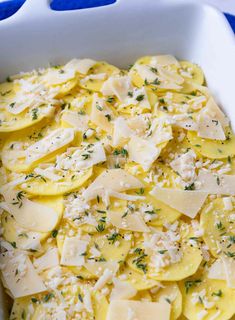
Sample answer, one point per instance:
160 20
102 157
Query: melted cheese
187 202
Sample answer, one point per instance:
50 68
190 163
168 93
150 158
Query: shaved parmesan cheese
101 113
159 132
216 270
185 166
54 141
76 159
58 76
212 121
229 270
185 122
29 214
145 72
139 123
115 179
171 76
143 152
123 196
79 122
49 260
210 128
105 278
131 221
98 267
48 173
142 103
216 184
87 300
121 131
118 86
223 269
19 275
80 65
141 310
186 202
202 314
73 252
228 204
98 76
122 290
215 112
164 60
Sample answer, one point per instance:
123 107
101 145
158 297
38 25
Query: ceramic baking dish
119 33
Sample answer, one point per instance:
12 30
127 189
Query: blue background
8 8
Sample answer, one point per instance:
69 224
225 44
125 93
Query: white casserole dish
120 33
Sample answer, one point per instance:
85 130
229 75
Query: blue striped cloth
8 8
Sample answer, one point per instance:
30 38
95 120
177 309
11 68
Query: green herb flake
48 297
140 97
190 186
54 233
34 113
191 283
218 293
